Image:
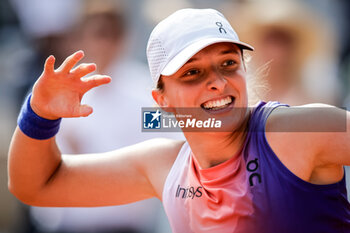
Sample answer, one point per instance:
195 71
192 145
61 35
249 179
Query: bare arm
312 141
118 177
40 175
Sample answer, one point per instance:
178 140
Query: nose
216 82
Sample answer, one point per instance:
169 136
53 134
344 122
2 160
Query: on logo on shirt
252 167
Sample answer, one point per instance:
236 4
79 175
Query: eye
192 75
229 63
191 72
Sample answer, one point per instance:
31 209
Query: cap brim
181 58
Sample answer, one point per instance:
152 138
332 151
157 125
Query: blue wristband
35 126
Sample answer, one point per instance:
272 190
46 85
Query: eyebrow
191 60
221 53
229 51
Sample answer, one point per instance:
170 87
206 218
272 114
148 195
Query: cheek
176 97
181 95
186 97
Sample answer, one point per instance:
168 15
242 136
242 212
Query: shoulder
161 145
159 156
303 137
260 112
307 123
307 118
156 151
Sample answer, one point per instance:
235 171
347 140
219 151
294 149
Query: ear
162 101
160 98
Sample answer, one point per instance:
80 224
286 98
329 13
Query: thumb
82 111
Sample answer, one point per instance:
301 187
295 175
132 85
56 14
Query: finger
95 81
82 111
83 69
49 66
71 61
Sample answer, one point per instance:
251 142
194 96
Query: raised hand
58 93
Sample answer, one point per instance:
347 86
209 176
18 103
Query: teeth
218 103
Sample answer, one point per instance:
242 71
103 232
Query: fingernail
78 54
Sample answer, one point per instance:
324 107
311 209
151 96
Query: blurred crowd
302 55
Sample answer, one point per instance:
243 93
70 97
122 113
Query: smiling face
212 80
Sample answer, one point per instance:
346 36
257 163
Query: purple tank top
284 203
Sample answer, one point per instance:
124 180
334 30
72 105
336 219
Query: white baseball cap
183 34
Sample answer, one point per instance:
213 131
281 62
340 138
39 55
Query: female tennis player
270 173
